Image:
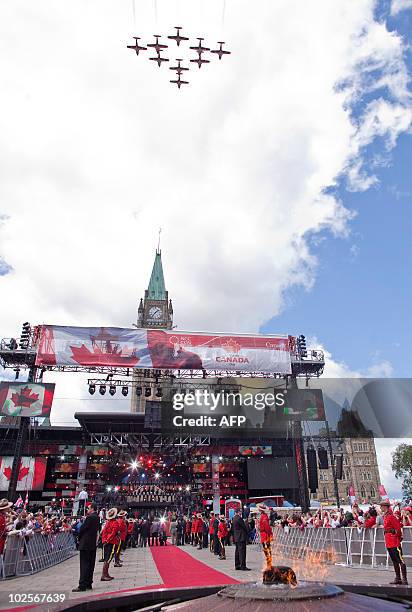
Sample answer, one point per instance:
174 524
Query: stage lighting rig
138 391
125 391
102 389
301 344
92 389
112 390
147 392
159 392
25 335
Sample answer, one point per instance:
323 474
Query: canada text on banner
162 349
26 399
32 471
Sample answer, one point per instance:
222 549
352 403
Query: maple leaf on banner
231 346
25 398
23 471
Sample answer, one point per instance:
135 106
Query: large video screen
276 473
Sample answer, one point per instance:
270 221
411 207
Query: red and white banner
32 471
383 493
162 349
26 399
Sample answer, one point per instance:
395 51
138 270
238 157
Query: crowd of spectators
353 516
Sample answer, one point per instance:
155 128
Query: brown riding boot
105 573
404 575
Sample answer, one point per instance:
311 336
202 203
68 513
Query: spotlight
157 475
138 391
102 389
62 457
134 465
92 389
112 390
147 392
159 392
116 489
125 391
108 488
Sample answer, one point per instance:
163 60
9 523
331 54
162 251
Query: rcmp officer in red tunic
110 540
123 534
266 535
5 506
393 538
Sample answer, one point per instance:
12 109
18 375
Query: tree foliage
402 466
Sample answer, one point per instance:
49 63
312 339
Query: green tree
402 466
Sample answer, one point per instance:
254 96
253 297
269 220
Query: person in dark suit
240 538
87 547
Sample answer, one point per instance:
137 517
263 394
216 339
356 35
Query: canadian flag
382 492
26 399
32 471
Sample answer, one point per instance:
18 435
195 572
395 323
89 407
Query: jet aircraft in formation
178 38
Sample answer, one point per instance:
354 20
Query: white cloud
400 5
98 150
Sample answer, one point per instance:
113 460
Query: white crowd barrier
347 546
30 554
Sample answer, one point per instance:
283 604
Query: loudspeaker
312 469
323 459
339 467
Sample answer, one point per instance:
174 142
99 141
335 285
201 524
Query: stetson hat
222 517
122 513
5 504
384 502
262 508
111 514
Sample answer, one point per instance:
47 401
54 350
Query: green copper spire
156 289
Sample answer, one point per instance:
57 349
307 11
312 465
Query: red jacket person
393 538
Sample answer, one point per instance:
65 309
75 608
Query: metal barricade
11 555
30 554
349 546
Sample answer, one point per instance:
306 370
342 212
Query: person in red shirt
266 535
393 538
110 539
123 534
211 531
222 533
194 530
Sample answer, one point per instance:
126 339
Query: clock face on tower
155 313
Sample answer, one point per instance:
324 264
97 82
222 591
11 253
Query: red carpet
179 569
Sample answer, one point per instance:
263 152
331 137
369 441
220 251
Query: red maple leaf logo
231 346
23 471
25 398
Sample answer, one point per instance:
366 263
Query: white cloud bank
400 5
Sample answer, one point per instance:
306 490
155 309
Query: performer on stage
266 535
110 540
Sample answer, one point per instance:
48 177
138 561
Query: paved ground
329 573
139 570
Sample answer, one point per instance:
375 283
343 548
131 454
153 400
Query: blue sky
360 304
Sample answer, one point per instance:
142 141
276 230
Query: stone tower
155 311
